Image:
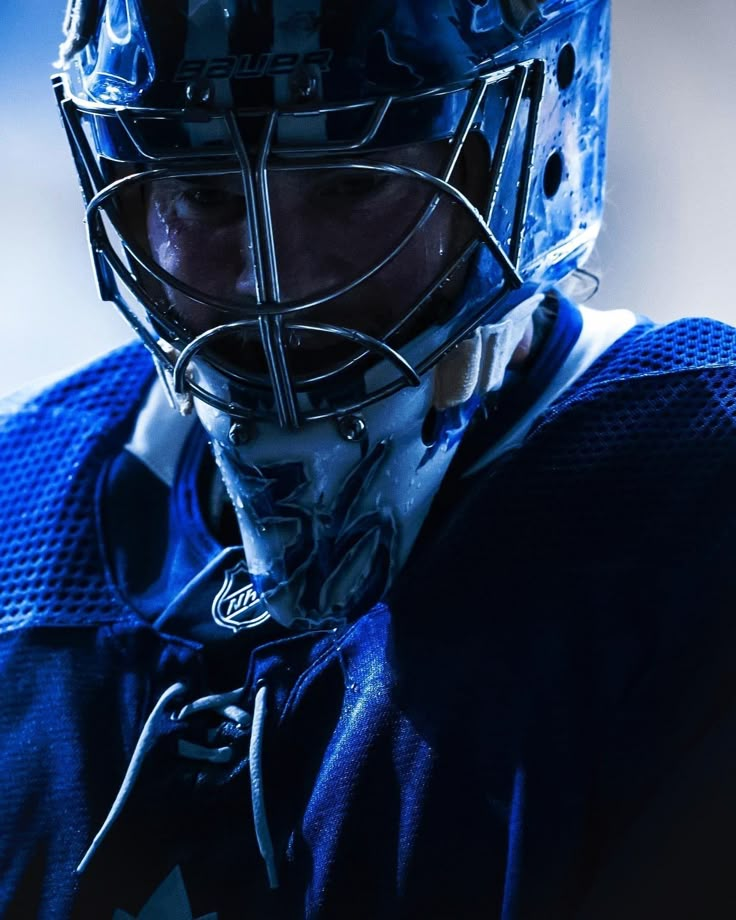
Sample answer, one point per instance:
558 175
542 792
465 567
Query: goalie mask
330 221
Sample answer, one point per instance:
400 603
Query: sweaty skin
329 228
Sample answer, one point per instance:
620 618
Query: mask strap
477 365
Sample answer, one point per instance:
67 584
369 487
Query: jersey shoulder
54 443
117 372
648 350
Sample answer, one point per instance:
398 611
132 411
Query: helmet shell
153 82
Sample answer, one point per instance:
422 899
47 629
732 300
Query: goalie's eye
351 185
215 201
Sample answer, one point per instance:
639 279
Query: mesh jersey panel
608 535
52 451
581 593
687 344
644 438
627 476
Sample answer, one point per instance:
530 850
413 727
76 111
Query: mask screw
304 84
199 92
351 427
240 434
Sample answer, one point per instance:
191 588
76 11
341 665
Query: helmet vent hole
553 174
566 66
429 428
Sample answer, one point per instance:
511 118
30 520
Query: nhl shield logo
236 605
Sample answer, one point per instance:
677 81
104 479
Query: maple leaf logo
169 901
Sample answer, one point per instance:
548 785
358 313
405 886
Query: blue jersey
537 722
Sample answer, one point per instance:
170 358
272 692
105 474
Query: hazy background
666 249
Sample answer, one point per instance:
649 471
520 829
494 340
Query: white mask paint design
327 523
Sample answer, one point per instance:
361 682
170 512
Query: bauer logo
237 606
250 66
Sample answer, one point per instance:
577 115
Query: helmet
303 208
278 92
